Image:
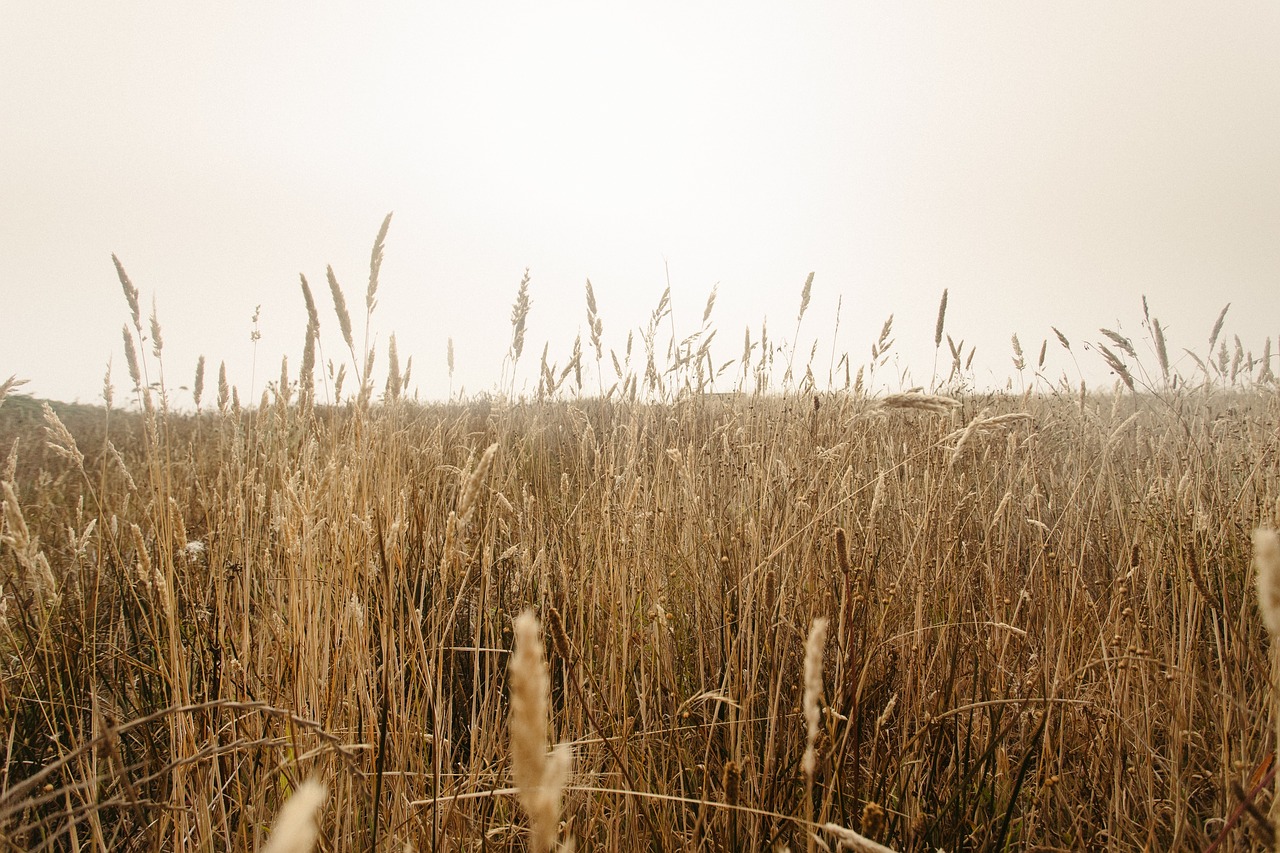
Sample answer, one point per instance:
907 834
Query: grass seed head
540 777
340 307
295 829
813 691
847 839
1266 556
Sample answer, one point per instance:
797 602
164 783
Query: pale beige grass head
295 829
540 777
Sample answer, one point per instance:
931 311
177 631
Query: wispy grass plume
539 776
295 829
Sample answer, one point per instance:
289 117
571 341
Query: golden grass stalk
1162 349
366 380
883 343
1019 362
1217 327
942 317
983 422
920 402
877 500
842 551
594 324
1113 361
197 390
539 777
131 356
295 829
306 373
313 316
26 548
474 480
804 300
804 306
340 308
812 693
283 391
8 385
108 392
59 439
519 317
1266 556
1121 342
847 839
962 436
394 379
224 389
157 342
130 293
375 266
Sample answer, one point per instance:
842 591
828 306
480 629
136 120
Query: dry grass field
1041 628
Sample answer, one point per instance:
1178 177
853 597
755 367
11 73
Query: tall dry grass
1041 623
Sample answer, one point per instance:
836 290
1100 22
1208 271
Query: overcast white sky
1046 162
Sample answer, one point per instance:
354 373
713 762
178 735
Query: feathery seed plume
13 382
295 829
130 292
59 438
198 389
224 390
804 298
519 315
1162 352
847 839
813 691
157 343
920 401
1217 327
340 308
471 486
1266 557
942 315
394 379
540 777
375 265
313 316
131 357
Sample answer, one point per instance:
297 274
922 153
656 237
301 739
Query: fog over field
1047 165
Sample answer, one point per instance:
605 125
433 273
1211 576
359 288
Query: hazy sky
1046 162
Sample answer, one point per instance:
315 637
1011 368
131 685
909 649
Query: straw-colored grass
1041 627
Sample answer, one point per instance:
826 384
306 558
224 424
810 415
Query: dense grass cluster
1041 629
